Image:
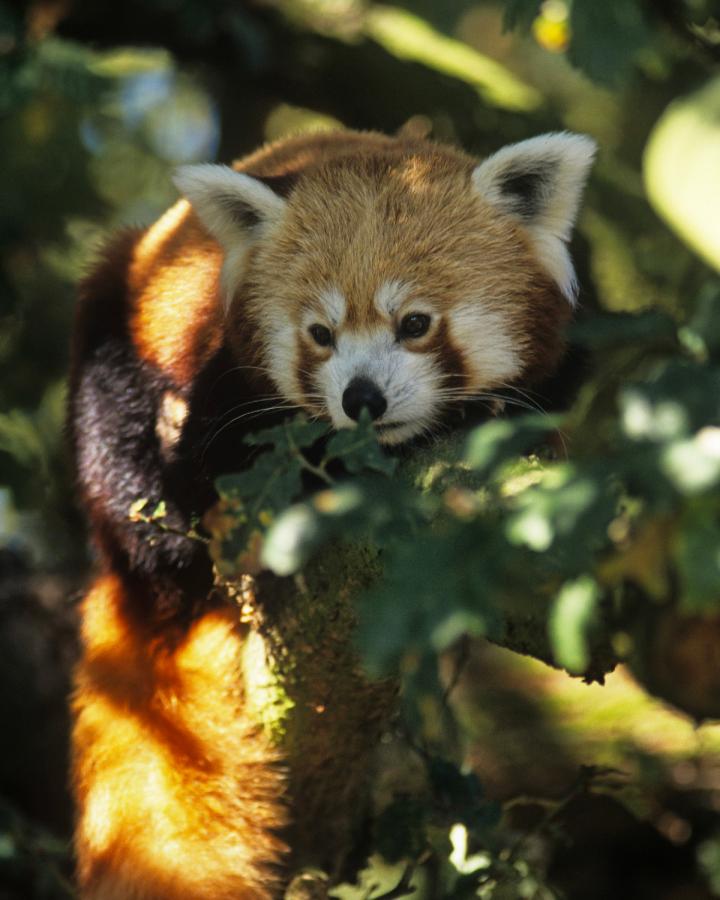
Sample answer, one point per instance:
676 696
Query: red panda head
403 279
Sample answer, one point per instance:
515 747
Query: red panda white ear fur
233 207
540 182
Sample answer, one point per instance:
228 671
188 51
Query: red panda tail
179 794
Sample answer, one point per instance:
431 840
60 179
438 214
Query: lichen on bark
307 687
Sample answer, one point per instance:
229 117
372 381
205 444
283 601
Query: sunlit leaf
679 400
693 465
501 439
681 169
290 540
568 510
571 622
409 37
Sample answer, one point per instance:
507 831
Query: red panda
332 273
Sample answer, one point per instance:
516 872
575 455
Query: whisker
253 414
233 370
526 391
269 398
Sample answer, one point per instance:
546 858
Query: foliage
531 527
609 540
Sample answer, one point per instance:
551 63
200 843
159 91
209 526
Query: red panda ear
232 206
540 182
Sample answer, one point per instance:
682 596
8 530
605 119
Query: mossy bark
308 689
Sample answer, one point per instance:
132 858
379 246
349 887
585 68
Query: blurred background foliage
100 101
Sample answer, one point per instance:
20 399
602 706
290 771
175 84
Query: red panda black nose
361 392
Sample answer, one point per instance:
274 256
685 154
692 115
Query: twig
461 660
319 471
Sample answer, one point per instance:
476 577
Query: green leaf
708 855
272 483
253 499
605 36
437 585
697 555
370 509
359 450
571 622
681 399
568 510
291 540
289 436
610 330
693 465
274 480
496 441
703 329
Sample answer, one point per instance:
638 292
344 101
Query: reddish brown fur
178 791
176 320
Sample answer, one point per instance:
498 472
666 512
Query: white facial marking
390 296
333 302
489 350
281 356
408 381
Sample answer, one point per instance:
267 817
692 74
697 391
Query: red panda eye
321 335
414 325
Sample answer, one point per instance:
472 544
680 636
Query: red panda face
405 281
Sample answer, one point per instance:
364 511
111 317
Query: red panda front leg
179 793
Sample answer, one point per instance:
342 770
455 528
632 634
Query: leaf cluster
606 39
514 527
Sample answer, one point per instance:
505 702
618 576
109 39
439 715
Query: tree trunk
312 697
